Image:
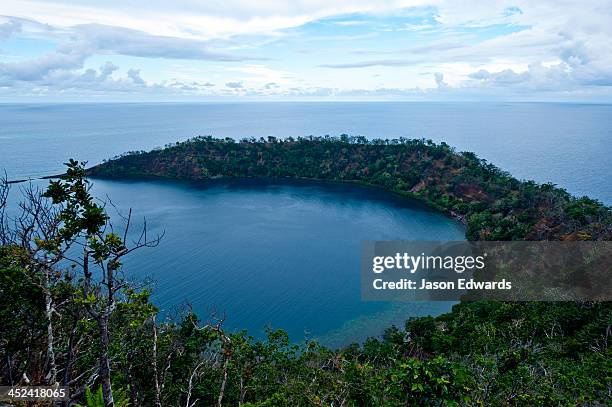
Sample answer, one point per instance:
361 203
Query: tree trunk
223 383
155 369
70 353
133 387
107 390
243 391
50 338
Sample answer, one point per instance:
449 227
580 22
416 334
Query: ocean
567 144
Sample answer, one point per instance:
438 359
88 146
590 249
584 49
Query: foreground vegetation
69 316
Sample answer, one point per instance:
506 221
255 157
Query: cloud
194 18
261 74
350 23
503 47
107 70
81 42
124 41
38 68
423 49
134 75
439 77
9 28
365 64
538 77
507 76
234 85
102 82
564 52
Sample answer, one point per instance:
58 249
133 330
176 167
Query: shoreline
412 198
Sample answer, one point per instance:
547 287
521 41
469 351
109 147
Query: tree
50 227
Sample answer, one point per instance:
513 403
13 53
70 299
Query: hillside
493 204
88 328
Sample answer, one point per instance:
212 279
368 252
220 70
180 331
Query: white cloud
261 74
556 46
193 18
124 41
38 68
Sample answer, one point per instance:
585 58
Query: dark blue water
284 255
567 144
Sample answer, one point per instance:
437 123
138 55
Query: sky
209 50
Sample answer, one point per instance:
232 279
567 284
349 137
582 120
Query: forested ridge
493 204
86 325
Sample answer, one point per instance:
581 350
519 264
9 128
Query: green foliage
494 205
481 353
80 212
428 382
97 400
277 400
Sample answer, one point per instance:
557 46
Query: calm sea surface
283 255
287 255
567 144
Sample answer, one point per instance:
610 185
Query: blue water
567 144
287 255
283 255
